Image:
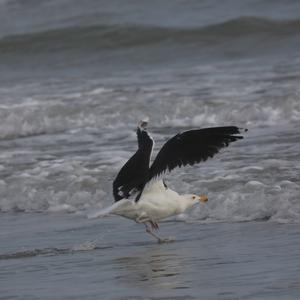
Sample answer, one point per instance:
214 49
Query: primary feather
191 147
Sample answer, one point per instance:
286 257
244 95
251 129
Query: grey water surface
75 79
113 259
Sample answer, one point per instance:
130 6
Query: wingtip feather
143 123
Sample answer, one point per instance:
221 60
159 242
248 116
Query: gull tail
104 212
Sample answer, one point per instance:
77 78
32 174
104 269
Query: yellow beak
203 198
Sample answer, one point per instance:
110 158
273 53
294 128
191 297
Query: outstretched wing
135 172
191 147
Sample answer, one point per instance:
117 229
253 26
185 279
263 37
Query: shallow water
75 80
69 257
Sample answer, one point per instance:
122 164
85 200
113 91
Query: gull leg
154 225
149 230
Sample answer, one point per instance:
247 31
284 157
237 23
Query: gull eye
194 197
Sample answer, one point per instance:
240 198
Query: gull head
192 199
196 198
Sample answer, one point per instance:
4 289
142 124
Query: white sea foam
87 246
253 115
252 201
246 184
58 187
69 111
88 133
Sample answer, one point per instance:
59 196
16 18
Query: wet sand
70 257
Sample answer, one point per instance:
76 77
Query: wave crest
102 37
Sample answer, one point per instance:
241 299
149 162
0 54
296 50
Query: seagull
139 191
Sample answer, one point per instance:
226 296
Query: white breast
159 202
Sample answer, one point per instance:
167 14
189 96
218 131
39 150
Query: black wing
135 172
191 147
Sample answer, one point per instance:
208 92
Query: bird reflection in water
152 268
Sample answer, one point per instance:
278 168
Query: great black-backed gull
139 191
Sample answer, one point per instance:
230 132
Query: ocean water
75 79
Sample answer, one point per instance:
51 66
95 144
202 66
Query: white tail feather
103 212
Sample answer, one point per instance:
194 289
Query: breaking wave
39 116
101 37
